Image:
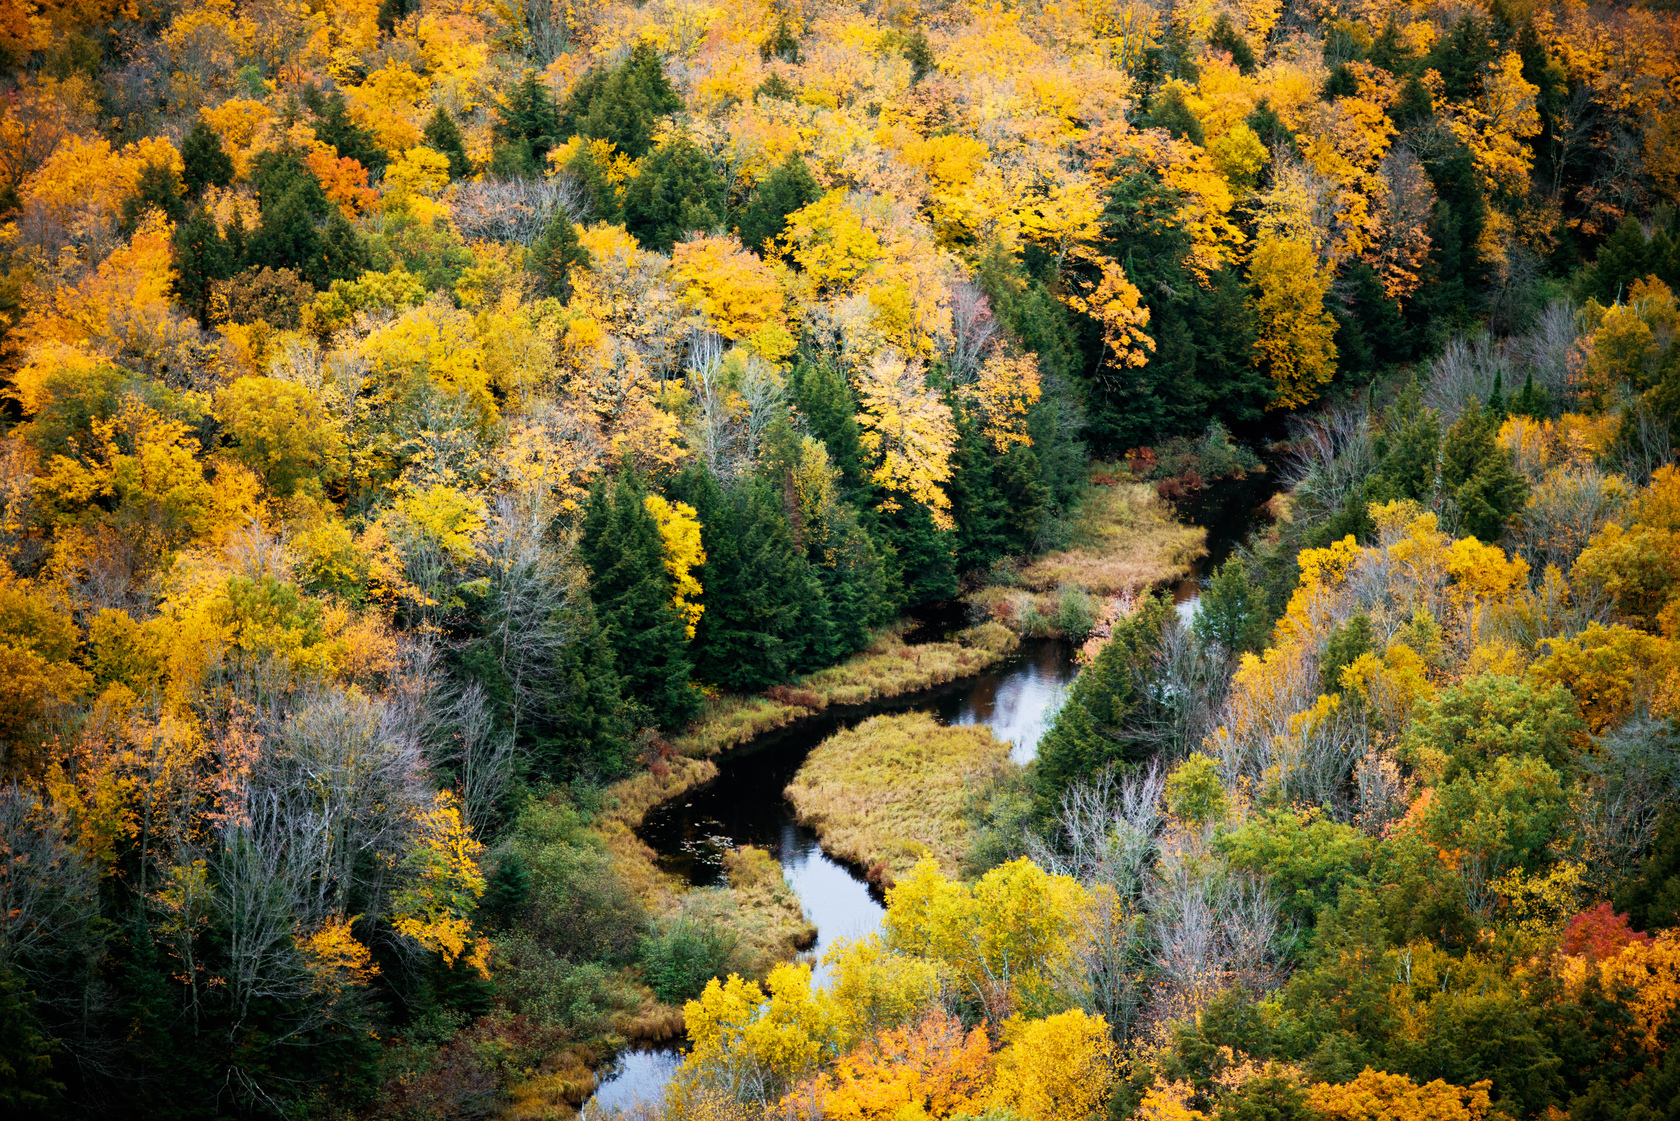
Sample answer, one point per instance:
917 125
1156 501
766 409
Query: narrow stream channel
744 804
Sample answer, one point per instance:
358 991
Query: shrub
679 956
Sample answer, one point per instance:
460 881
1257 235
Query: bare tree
517 210
1633 779
974 330
1106 831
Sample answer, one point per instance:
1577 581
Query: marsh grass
895 788
888 668
1123 537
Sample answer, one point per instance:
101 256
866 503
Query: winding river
744 804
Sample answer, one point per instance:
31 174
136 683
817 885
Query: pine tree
1090 731
344 253
1496 399
622 105
279 172
527 125
676 191
830 408
1225 37
205 163
789 187
443 135
202 257
1479 475
766 617
556 254
159 188
350 140
237 240
632 593
1232 610
594 724
286 238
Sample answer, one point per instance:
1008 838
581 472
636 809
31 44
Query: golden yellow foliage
679 529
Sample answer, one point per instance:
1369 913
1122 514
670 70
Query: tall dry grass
893 789
1124 538
888 668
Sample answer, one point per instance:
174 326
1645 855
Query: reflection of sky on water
1019 702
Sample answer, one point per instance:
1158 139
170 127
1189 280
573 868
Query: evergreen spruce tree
1496 399
1479 475
202 257
350 140
556 254
344 254
765 617
790 186
623 104
527 125
1225 37
1090 732
1409 448
632 593
853 587
594 726
279 172
443 135
830 408
921 553
976 502
1232 610
676 191
204 162
286 238
1025 496
237 242
159 188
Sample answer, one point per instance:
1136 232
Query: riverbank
1124 537
886 793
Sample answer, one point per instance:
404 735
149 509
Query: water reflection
635 1077
1019 700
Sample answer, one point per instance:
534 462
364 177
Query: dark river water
744 804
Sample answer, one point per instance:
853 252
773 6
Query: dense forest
420 416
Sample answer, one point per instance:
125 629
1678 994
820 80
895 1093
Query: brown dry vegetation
888 668
1124 538
893 788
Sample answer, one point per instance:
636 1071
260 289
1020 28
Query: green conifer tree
286 238
159 188
527 125
789 187
555 254
623 104
1479 475
204 162
350 140
676 191
443 135
632 593
1090 732
1232 610
202 257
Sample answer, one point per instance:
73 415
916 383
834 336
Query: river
744 803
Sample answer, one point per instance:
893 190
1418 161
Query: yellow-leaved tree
679 530
908 431
1295 334
1059 1067
444 885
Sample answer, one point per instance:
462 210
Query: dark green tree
344 253
918 52
277 172
159 188
334 126
676 191
632 594
26 1083
765 614
555 254
1231 610
1346 643
593 733
202 257
527 125
204 162
286 238
829 406
443 135
1479 475
789 187
622 104
1090 732
1225 37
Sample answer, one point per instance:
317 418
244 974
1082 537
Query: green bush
680 956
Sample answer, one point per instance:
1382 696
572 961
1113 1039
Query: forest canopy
417 414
